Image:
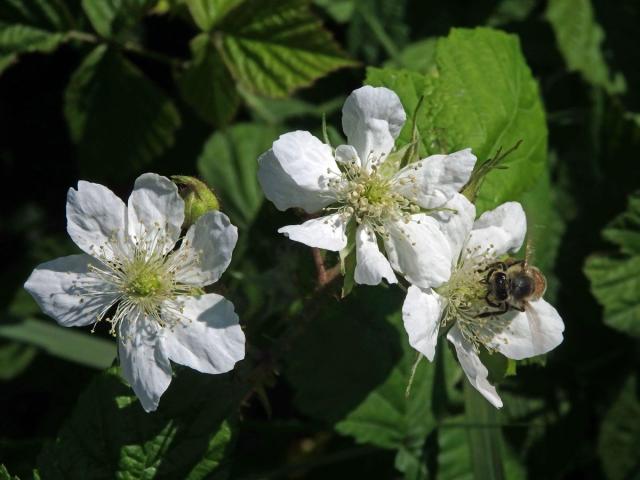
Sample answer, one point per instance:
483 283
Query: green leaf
207 13
615 279
417 57
368 370
108 435
454 458
340 10
14 359
579 39
275 46
5 475
66 343
27 27
112 17
620 434
228 163
119 119
481 95
207 85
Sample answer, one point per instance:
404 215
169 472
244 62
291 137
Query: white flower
353 184
131 276
517 335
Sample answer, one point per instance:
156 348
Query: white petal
372 119
533 332
206 250
420 251
328 233
502 230
58 287
421 313
155 210
96 218
211 340
347 154
371 265
456 225
476 372
436 179
296 172
143 362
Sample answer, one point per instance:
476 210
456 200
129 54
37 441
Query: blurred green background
104 90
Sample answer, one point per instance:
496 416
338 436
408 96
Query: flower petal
372 119
421 313
470 362
535 331
211 340
502 230
456 225
95 218
434 180
296 172
420 251
59 288
206 250
143 362
371 265
328 233
155 211
347 154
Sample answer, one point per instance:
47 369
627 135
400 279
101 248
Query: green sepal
348 260
198 198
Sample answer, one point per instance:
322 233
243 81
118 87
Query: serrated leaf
368 370
207 85
275 46
27 27
228 163
207 13
5 475
620 435
108 435
579 39
112 17
481 95
615 279
119 120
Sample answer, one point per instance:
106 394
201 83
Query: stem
127 46
485 440
325 276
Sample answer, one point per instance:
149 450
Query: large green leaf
108 435
352 366
620 435
5 475
207 13
228 163
15 357
111 17
119 119
206 83
275 46
482 95
579 39
615 279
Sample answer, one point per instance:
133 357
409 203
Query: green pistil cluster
146 282
465 294
371 198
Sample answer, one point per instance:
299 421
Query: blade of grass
65 343
485 438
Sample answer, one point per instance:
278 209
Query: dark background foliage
162 96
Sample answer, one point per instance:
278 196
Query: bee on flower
402 212
491 302
132 276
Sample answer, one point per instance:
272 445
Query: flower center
370 197
467 307
145 283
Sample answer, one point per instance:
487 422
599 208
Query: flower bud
198 198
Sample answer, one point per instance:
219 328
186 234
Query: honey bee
511 284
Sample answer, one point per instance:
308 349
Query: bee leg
489 314
489 302
520 309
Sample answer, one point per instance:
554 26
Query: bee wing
535 326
